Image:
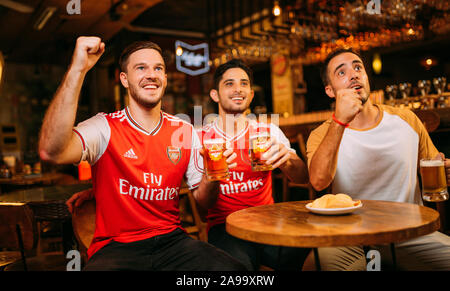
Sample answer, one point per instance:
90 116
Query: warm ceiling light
411 31
376 63
179 51
276 9
428 62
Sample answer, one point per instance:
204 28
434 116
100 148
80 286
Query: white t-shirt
381 162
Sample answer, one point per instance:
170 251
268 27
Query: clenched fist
88 50
348 105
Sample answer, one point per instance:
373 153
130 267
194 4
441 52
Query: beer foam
214 141
431 163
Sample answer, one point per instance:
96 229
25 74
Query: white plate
333 211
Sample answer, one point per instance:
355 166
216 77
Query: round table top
291 224
44 194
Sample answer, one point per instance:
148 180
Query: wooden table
47 203
22 181
44 194
31 179
291 224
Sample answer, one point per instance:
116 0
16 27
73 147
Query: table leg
316 259
394 259
279 258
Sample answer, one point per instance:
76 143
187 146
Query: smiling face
145 77
234 93
346 71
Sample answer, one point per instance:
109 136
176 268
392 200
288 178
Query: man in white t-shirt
139 156
371 151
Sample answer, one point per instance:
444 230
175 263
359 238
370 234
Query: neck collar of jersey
138 127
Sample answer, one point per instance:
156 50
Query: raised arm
57 142
322 166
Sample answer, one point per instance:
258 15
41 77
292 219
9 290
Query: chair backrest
14 217
83 222
302 146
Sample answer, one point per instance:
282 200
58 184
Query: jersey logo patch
174 154
130 154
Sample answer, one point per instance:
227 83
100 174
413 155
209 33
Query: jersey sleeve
94 134
278 134
426 146
315 139
194 171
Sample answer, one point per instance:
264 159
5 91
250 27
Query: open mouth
356 86
237 98
151 86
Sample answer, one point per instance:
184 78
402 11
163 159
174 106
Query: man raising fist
136 183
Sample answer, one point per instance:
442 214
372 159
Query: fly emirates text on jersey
238 185
152 191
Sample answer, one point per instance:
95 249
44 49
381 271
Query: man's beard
134 93
237 109
364 99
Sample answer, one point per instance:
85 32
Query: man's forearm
60 117
321 171
295 170
207 192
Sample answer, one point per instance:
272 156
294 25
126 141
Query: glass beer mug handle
245 156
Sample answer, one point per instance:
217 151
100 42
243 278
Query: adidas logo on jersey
130 154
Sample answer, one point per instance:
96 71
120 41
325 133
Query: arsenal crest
174 154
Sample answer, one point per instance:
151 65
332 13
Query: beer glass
259 144
215 163
434 180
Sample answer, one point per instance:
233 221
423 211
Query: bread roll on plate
334 201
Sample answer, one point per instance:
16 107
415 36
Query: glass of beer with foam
434 181
215 162
259 144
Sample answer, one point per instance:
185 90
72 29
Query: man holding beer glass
137 167
246 186
372 151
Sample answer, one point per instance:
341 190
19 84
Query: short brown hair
135 46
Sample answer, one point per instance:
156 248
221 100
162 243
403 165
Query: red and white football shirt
137 174
245 188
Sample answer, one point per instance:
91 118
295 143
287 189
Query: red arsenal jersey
136 174
245 188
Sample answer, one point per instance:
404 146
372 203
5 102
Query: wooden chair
18 233
287 185
194 227
83 224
